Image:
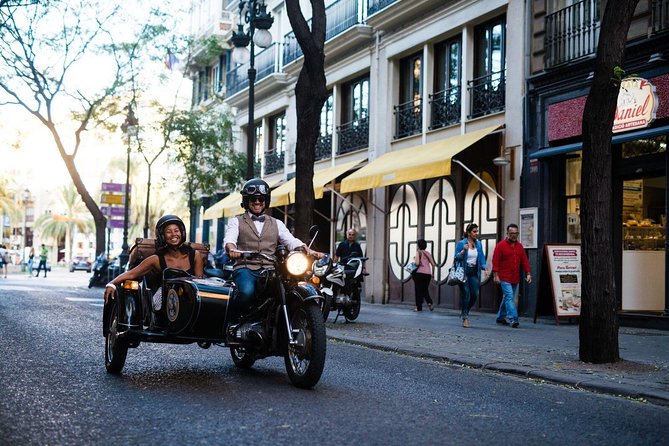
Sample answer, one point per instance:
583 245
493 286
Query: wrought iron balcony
267 61
237 79
445 106
408 118
353 136
659 16
377 5
572 33
341 15
323 147
256 169
273 162
487 93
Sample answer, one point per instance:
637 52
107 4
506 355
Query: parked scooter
341 286
100 267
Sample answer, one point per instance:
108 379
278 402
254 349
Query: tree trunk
598 327
310 95
146 206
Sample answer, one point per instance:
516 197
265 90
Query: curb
654 396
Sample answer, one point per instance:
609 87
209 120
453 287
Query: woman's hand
110 291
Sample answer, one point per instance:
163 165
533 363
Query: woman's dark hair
422 244
470 227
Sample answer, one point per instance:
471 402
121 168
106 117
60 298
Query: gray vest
250 240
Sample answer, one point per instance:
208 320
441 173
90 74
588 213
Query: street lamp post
254 14
127 127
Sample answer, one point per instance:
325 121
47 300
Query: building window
277 144
324 142
572 31
354 132
445 102
487 89
408 114
573 197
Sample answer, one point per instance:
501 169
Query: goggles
254 189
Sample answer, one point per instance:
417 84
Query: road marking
84 299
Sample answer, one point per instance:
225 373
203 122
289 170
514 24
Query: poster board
528 227
561 269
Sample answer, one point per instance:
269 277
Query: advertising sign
564 267
112 199
115 187
113 211
528 227
637 104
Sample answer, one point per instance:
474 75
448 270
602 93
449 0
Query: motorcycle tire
242 358
116 350
326 306
352 312
305 360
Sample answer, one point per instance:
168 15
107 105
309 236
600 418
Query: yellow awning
285 194
217 210
429 160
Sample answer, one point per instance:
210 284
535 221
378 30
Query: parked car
80 263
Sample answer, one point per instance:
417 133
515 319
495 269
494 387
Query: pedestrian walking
31 261
43 254
507 260
423 275
469 251
4 260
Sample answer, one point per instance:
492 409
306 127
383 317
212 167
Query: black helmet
255 187
160 227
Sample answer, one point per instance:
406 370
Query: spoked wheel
305 358
242 357
326 306
352 312
116 350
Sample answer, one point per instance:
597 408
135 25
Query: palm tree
76 217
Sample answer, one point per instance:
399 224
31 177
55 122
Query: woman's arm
416 257
149 264
198 268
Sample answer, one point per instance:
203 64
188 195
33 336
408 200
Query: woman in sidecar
171 252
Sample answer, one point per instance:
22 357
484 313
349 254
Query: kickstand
338 313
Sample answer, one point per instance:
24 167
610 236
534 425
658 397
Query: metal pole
124 253
251 131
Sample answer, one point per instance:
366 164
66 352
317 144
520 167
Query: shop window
573 196
642 147
440 225
480 207
403 230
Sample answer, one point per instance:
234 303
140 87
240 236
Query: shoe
515 324
465 323
502 321
416 309
430 307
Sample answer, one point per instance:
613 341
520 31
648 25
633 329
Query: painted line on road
84 299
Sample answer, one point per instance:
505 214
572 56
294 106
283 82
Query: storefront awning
285 194
616 139
429 160
218 209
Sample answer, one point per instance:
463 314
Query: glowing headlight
320 269
297 263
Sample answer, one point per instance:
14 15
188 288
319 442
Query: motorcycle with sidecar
283 320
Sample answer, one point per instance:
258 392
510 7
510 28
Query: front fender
303 292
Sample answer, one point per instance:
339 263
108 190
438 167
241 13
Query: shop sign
637 104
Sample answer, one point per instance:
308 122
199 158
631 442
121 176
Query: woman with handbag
469 252
423 275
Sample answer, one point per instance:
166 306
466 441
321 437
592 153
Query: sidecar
189 310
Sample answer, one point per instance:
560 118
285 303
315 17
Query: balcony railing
408 118
237 79
377 5
341 15
487 93
267 61
323 147
659 16
273 162
445 107
353 136
572 33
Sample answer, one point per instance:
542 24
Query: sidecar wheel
241 357
116 350
305 359
326 305
351 313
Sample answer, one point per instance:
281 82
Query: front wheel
352 312
305 358
326 306
242 358
116 350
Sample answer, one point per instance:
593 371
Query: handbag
411 268
456 274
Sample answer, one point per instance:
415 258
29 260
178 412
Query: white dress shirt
285 237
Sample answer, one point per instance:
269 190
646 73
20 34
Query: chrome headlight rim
321 270
297 263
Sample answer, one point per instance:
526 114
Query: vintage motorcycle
341 286
284 320
100 267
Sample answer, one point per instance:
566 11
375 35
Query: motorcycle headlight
321 267
297 263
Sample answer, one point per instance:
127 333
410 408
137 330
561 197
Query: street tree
200 144
598 326
310 95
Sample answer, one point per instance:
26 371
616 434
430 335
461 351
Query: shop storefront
640 160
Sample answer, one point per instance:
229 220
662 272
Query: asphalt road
54 390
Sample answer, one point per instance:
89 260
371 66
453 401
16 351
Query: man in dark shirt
348 248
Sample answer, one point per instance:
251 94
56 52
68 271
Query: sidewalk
542 351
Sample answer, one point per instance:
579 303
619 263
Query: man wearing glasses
254 231
509 256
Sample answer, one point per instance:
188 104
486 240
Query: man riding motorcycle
254 231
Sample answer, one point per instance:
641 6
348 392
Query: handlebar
250 255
